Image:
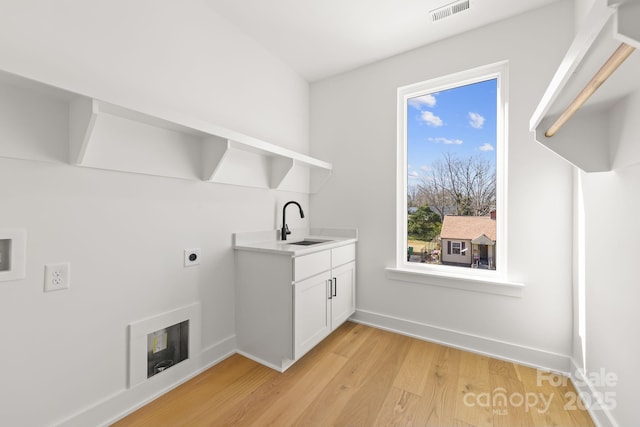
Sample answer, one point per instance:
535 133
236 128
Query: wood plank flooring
362 376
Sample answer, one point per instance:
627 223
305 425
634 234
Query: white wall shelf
601 136
106 136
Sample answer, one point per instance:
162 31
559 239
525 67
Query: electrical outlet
56 277
191 257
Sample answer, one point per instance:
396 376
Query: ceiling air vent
449 9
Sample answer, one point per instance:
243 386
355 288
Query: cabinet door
343 301
312 312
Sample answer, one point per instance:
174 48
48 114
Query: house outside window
451 169
475 236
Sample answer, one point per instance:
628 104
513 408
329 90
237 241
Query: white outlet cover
189 254
57 277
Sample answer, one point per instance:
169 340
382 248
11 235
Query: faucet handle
286 229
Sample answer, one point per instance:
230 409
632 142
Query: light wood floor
362 376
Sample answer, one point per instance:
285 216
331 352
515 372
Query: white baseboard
528 356
216 353
601 416
280 368
129 400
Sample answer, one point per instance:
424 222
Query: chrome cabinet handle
330 288
335 286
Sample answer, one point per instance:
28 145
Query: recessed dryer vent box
12 254
5 254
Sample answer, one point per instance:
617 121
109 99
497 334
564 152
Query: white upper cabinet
604 133
92 133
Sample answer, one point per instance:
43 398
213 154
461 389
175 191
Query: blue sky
461 121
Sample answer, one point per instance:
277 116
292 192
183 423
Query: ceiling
321 38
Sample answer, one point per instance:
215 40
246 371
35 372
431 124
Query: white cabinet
343 301
322 303
312 312
285 305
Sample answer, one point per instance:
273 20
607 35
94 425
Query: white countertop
269 241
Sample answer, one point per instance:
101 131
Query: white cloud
431 119
476 120
486 147
425 168
414 175
446 141
424 100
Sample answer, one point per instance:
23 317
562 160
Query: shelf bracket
280 168
83 113
214 150
318 178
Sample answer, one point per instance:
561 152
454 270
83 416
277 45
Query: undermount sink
306 242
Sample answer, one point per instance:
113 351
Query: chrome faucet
285 227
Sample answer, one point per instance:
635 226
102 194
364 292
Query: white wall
65 353
353 122
610 229
612 318
610 205
183 57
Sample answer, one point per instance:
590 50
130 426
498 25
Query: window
455 248
451 169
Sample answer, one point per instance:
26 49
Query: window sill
457 281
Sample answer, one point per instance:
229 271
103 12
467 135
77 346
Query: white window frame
453 248
491 281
